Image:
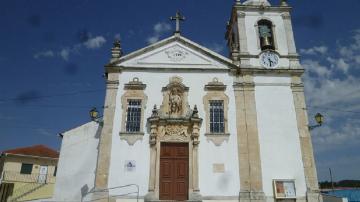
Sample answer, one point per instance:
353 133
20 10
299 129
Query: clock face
269 59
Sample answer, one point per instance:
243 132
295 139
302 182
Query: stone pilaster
305 140
195 194
248 141
294 61
289 33
153 121
103 161
242 38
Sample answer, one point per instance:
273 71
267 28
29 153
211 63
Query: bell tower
261 44
260 35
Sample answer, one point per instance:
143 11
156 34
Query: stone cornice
215 85
243 86
262 8
112 69
286 15
180 39
242 70
289 56
295 72
112 84
135 84
297 87
162 69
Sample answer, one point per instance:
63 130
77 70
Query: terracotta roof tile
36 150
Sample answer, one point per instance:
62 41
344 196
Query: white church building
183 123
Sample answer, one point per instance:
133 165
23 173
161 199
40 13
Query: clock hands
269 59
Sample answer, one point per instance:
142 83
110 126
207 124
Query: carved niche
175 103
174 121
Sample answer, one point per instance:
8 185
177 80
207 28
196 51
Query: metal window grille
217 124
133 116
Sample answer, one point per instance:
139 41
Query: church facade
183 123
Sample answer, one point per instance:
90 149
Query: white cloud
117 36
340 63
336 97
330 91
350 52
64 54
153 39
45 54
357 59
219 48
162 27
315 50
159 28
44 132
96 42
346 51
329 138
316 67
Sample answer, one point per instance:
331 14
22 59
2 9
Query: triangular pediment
175 52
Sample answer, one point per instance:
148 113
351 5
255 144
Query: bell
266 43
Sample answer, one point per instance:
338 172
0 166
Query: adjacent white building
182 122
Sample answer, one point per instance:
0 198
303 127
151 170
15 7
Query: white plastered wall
77 162
278 134
211 184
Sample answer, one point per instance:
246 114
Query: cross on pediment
178 17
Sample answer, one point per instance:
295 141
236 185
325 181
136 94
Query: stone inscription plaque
218 168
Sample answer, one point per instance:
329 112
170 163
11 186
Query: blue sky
52 55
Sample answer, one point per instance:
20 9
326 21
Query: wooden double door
174 171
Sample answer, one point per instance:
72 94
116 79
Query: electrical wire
51 96
335 109
52 106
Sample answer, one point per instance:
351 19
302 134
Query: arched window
266 35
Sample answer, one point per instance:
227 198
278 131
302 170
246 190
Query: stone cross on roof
178 17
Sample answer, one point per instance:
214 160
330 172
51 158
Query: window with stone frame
217 124
216 107
133 117
133 106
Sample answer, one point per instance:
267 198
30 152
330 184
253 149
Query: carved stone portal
175 121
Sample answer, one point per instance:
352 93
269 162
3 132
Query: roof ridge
34 150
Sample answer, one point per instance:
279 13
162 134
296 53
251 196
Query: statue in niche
175 101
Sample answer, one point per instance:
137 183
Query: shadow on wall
224 181
98 132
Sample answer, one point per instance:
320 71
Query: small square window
26 168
